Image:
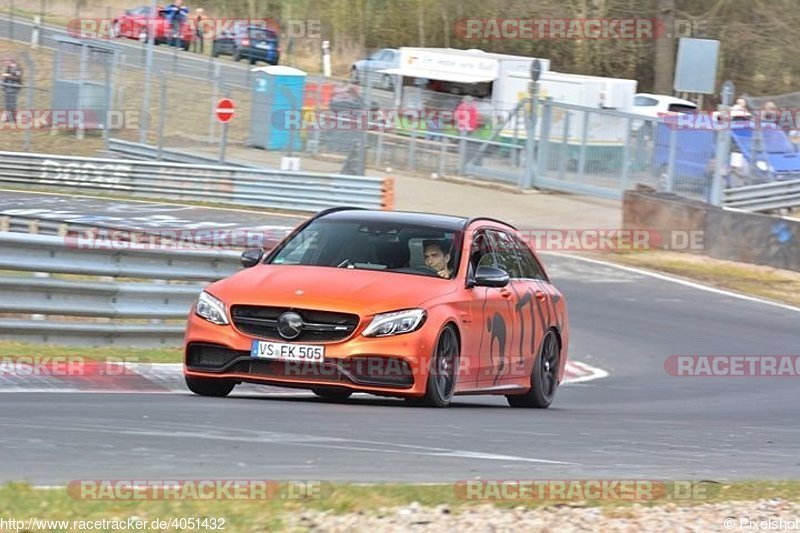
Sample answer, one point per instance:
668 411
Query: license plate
265 46
287 352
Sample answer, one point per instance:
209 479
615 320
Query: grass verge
755 280
106 353
21 500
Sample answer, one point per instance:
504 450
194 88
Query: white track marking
680 281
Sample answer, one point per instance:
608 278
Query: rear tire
544 376
215 387
443 373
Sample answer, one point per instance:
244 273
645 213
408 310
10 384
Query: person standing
176 14
197 43
12 83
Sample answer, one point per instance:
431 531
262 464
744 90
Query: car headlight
395 323
211 308
762 165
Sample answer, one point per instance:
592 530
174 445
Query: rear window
682 108
259 33
644 101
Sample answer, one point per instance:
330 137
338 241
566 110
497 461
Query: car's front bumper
396 366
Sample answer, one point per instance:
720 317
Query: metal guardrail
147 152
92 309
764 197
297 191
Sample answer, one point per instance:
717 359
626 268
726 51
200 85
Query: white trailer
460 72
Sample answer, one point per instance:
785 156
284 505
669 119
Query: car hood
363 292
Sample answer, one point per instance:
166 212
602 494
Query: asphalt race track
639 422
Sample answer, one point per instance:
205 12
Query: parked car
414 305
384 58
136 23
658 105
254 43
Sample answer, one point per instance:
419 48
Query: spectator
12 83
197 43
466 117
740 109
176 14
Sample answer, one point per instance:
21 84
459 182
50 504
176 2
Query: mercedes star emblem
290 324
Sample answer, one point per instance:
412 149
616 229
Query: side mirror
487 276
251 257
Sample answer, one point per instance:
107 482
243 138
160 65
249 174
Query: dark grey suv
252 42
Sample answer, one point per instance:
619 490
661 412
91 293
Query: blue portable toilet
277 108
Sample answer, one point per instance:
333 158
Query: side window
527 261
506 253
481 253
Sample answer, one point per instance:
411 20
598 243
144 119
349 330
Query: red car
138 22
413 305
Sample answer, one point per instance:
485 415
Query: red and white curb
165 378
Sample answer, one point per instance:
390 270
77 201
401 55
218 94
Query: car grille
318 326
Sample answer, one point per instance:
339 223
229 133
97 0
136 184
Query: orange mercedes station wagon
413 305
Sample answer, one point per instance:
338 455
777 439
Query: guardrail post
564 146
584 141
379 148
5 223
412 148
626 154
214 99
462 155
544 138
443 145
162 108
37 22
720 165
387 190
673 153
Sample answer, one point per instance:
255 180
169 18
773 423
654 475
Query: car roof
434 220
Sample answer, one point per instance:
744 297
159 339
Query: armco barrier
96 310
296 191
728 233
764 197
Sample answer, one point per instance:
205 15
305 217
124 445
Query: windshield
774 141
384 245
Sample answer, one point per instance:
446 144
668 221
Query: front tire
443 372
215 387
544 376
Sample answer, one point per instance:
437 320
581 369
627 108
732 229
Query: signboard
225 110
696 68
457 62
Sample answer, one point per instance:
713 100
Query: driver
436 257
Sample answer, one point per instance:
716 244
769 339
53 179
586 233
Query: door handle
540 295
505 293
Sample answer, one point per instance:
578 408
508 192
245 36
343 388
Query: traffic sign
225 110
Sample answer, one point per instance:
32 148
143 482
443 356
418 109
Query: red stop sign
225 110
